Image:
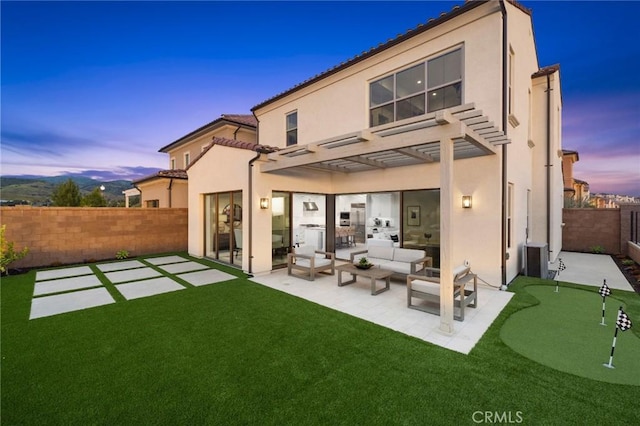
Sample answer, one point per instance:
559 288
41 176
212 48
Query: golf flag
623 322
561 268
605 290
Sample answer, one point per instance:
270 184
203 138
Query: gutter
504 254
140 190
170 191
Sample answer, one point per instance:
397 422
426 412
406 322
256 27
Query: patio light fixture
466 201
264 203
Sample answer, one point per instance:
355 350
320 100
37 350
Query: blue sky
101 86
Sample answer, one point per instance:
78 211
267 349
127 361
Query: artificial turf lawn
240 353
563 331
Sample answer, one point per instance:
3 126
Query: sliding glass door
223 227
421 222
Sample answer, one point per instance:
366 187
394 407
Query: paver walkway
57 291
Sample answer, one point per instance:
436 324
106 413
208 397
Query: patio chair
310 261
427 288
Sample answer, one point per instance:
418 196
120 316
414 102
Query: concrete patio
389 309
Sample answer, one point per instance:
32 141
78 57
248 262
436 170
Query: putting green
563 332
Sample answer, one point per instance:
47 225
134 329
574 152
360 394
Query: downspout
549 163
235 133
503 254
140 190
169 189
250 190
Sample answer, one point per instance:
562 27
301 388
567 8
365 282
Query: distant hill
37 190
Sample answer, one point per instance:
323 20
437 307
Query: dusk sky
101 86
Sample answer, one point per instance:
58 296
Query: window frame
291 130
187 159
425 90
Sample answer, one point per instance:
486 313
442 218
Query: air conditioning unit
537 260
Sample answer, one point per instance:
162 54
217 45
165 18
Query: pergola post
446 235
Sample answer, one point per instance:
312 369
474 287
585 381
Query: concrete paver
66 284
176 268
145 288
210 276
68 302
63 272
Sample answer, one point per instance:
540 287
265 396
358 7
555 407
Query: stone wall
64 235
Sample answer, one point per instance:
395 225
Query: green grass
564 331
240 353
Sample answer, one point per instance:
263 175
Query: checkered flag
604 290
623 322
561 266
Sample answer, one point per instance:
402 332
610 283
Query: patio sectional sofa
400 261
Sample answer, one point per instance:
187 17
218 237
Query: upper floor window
426 87
187 159
292 128
173 164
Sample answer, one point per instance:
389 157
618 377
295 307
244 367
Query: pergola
442 136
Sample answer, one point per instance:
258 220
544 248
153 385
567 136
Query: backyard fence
64 235
605 230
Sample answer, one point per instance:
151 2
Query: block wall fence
64 235
608 228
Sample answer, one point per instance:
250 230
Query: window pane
445 97
444 69
381 91
382 115
452 95
292 137
436 100
409 82
411 107
292 121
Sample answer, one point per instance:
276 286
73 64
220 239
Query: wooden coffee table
374 273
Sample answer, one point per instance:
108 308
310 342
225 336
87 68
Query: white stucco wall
339 104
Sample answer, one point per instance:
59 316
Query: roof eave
457 11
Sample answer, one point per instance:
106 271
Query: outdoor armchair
427 288
310 261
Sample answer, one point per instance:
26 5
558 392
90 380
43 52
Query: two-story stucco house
168 188
389 143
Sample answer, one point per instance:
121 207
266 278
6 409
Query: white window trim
187 159
172 163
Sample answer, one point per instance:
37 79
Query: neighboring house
168 188
576 192
389 143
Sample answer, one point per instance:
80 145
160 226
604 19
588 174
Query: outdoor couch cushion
318 261
407 255
380 252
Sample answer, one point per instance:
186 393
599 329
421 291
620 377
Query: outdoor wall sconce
264 203
466 201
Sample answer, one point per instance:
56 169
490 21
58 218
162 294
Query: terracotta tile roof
232 143
164 174
247 120
431 23
546 71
